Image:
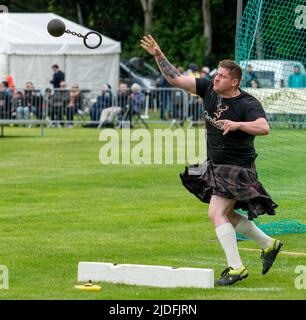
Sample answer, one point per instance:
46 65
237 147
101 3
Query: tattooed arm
168 70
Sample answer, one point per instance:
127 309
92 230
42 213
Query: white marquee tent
27 52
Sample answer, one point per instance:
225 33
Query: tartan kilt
229 181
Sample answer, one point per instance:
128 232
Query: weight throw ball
56 27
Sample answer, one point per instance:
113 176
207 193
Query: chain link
74 33
86 37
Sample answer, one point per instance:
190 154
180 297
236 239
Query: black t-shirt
236 147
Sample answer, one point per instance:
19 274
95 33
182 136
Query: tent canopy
26 33
27 52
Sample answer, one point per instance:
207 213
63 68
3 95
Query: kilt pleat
229 181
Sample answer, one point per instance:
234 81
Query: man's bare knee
219 209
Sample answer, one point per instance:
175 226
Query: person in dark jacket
58 76
250 76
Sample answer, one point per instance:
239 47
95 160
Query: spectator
104 100
5 101
74 104
254 84
192 71
177 100
123 97
22 110
250 75
137 99
48 102
60 101
7 88
17 103
165 97
33 100
178 105
11 84
58 76
107 114
297 79
193 107
180 69
205 73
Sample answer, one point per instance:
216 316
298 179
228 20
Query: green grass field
59 206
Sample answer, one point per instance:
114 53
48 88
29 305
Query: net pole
239 12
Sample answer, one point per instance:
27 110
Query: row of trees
200 31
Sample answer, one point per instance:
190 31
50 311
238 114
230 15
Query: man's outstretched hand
150 45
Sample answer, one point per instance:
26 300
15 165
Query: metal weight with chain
57 28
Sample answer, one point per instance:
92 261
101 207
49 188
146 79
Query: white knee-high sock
227 237
249 229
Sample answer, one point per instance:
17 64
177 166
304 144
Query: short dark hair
233 67
55 66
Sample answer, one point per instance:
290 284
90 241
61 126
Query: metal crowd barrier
68 107
22 107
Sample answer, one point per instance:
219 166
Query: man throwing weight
228 179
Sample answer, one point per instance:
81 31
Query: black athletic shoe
269 255
230 276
